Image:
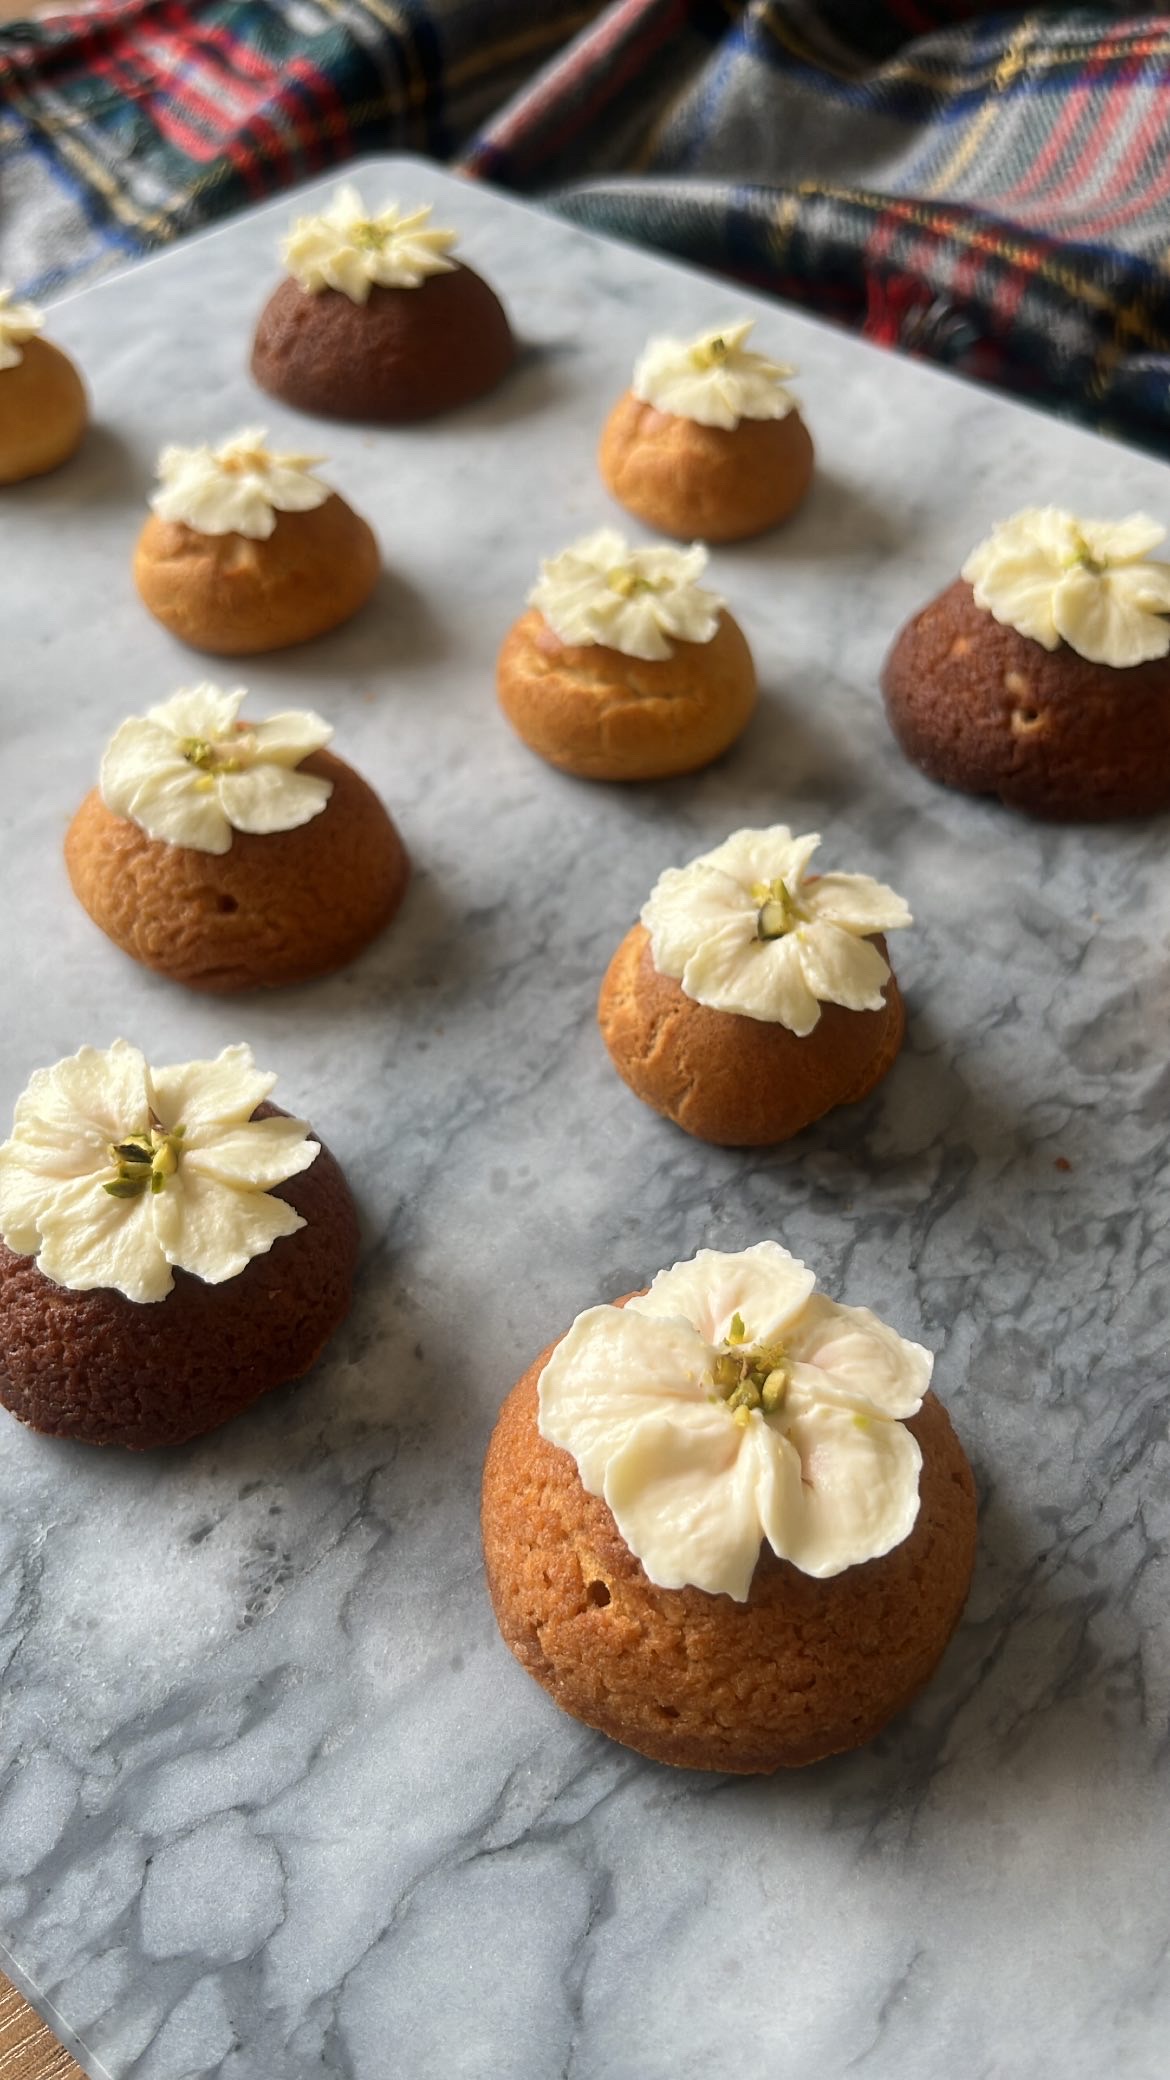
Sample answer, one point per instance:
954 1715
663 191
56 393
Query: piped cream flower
345 248
731 1404
1087 583
189 772
18 322
633 600
742 929
237 488
115 1171
714 379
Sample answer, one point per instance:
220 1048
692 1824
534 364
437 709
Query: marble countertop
275 1802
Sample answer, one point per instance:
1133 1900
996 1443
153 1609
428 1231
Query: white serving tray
275 1802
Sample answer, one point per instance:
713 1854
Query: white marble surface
274 1800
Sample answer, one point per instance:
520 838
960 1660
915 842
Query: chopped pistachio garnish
780 911
143 1161
747 1380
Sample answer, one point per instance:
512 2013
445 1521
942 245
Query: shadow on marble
535 383
840 518
104 471
396 629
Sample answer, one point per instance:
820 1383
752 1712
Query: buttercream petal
1097 616
146 780
1122 541
686 906
859 1493
288 737
266 798
861 1356
840 968
612 1369
759 978
766 1286
756 857
29 1191
89 1099
91 1241
257 1155
213 1230
855 902
206 712
689 1490
205 1097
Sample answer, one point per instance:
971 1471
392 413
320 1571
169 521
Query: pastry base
739 1082
270 911
804 1669
43 412
595 712
982 708
236 597
704 482
405 354
102 1369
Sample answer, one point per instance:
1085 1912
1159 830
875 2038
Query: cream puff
376 321
725 1521
247 550
754 997
626 667
233 854
1042 674
708 439
172 1246
43 409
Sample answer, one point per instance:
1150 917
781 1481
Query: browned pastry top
802 1670
404 354
983 708
106 1370
714 483
737 1081
273 909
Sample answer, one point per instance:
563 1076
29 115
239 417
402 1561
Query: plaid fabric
988 189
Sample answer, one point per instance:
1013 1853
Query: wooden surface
28 2051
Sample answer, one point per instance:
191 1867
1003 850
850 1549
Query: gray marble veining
274 1800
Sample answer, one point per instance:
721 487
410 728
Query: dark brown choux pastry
405 355
804 1669
977 706
707 441
591 708
102 1369
688 480
43 408
274 909
755 997
738 1082
375 322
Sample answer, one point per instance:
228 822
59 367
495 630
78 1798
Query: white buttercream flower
116 1171
741 929
1087 583
713 379
189 772
732 1403
633 600
18 322
345 248
237 488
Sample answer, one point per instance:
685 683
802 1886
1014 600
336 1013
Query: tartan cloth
991 190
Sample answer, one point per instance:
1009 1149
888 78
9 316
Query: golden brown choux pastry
247 551
707 442
43 408
228 855
594 709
